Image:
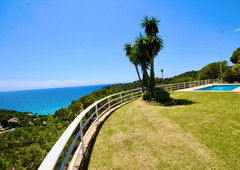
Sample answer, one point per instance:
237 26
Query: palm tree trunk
146 76
139 76
145 82
152 78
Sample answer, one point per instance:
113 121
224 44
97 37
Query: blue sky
52 43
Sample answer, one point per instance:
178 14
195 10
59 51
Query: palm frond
127 48
151 25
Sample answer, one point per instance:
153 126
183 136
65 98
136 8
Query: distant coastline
44 101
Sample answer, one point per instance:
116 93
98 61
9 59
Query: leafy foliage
232 74
131 53
212 70
146 95
29 143
25 119
26 147
161 95
235 56
150 24
187 76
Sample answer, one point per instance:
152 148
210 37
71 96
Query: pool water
220 88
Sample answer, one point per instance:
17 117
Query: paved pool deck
203 86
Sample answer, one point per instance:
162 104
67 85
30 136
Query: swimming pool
219 88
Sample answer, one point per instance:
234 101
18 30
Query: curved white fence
184 85
98 108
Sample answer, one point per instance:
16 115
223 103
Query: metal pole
162 75
83 152
220 63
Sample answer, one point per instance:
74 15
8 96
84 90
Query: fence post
132 94
83 152
96 110
121 97
109 104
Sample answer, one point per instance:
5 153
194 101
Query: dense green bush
235 56
231 74
161 95
146 95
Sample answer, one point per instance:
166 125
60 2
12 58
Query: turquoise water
44 101
220 88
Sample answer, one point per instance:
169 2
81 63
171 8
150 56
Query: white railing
98 108
184 85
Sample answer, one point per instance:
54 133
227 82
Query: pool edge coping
195 89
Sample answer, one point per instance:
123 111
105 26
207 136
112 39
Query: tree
231 74
4 122
212 70
139 56
151 45
145 49
235 56
129 51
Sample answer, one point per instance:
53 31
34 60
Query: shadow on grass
85 161
172 102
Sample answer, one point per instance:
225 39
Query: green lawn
203 134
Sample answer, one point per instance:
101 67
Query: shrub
146 95
231 74
161 95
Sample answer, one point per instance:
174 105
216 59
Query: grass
204 133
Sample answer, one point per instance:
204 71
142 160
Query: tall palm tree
129 53
151 45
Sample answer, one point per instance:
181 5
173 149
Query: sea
44 101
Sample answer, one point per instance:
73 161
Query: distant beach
44 101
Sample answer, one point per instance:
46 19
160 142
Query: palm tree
151 25
129 53
151 45
141 59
